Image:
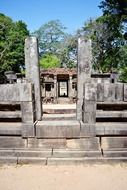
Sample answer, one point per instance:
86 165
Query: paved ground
37 177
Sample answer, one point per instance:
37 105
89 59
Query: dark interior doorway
63 88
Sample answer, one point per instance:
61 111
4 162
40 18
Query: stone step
58 129
87 160
55 153
59 111
111 128
62 161
59 108
59 116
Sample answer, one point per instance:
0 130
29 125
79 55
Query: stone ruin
98 133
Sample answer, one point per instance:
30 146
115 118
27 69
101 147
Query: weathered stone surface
90 91
32 160
33 71
77 161
10 114
100 92
46 143
87 130
28 129
16 92
28 114
125 92
111 128
58 129
84 143
119 91
118 153
75 153
113 143
10 128
89 106
12 142
111 114
33 153
109 92
89 117
84 71
8 160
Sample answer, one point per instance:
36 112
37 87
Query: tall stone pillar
33 71
55 88
84 71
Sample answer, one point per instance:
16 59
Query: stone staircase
58 140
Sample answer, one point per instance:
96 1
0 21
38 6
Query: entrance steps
59 108
47 117
57 157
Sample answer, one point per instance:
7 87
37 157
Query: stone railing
23 94
106 93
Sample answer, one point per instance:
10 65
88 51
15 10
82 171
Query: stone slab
89 117
46 143
80 161
87 130
32 160
84 143
117 153
8 160
90 92
33 153
16 92
10 128
28 112
12 142
119 89
109 92
58 129
111 128
28 129
10 114
111 114
100 92
75 153
113 143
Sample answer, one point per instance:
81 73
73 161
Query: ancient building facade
58 85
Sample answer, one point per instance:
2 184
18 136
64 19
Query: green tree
106 44
12 36
115 14
53 40
49 61
50 36
68 51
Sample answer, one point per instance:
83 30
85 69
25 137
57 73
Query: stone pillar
84 71
70 87
33 71
55 88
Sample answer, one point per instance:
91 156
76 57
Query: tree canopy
49 61
12 37
54 40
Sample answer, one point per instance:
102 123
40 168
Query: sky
72 13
